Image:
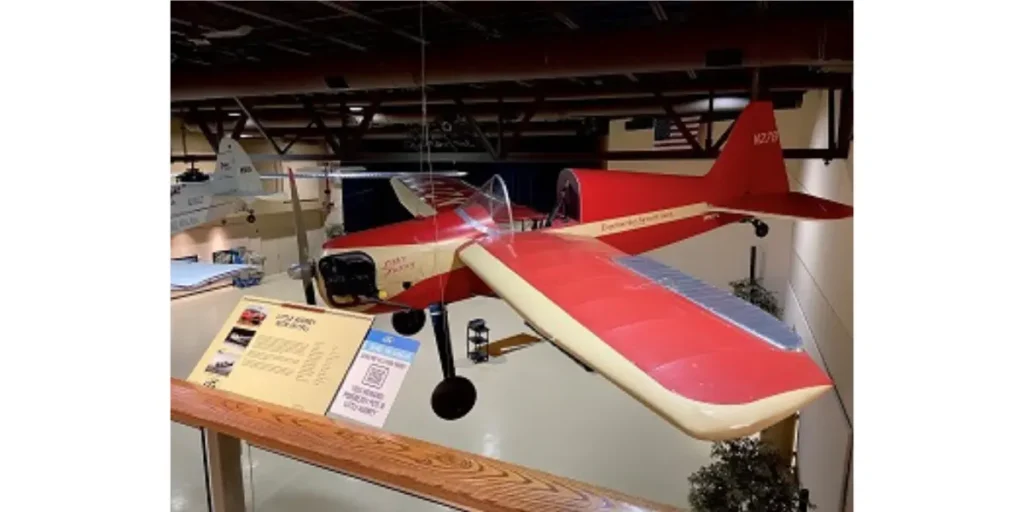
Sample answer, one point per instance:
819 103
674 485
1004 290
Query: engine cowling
349 278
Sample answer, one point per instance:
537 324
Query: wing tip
714 422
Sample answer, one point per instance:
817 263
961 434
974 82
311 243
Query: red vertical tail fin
749 177
751 161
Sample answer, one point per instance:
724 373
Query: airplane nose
349 277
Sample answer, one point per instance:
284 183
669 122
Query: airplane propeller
305 265
305 269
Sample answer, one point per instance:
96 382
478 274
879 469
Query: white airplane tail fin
235 174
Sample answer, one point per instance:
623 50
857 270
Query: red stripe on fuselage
649 238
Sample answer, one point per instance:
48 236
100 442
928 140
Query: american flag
668 136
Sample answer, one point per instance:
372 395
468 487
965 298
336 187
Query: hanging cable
425 140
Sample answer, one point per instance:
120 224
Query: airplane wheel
409 322
761 229
251 218
453 398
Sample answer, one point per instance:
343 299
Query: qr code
375 376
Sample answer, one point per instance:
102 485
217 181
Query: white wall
272 235
819 303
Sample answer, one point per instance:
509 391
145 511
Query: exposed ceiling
512 77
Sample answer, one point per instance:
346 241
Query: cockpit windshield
490 207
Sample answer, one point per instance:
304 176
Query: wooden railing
455 478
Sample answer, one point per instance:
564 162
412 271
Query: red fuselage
415 262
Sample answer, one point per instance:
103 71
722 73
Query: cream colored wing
700 359
424 196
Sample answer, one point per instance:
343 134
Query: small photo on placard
240 337
223 362
254 315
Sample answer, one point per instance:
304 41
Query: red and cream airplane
708 362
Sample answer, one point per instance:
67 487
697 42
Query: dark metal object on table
478 338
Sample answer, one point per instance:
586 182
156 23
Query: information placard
376 376
283 353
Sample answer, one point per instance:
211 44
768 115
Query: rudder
751 161
750 178
235 175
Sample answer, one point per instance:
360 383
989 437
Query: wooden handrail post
224 472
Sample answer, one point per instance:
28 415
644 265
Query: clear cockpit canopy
490 207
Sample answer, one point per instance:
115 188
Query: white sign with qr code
376 375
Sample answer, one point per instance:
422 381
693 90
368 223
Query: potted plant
752 291
746 475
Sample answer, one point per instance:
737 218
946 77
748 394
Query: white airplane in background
235 184
231 188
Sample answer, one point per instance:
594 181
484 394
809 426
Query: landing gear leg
408 322
454 396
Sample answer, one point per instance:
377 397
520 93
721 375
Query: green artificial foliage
753 292
745 475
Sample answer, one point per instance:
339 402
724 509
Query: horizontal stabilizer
787 205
